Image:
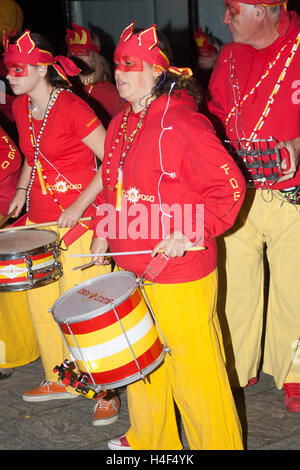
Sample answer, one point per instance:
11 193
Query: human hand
175 245
70 216
293 147
17 203
99 245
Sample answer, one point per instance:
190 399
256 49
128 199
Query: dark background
50 18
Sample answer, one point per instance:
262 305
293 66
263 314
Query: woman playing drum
163 165
59 135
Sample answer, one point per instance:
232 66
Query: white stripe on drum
116 345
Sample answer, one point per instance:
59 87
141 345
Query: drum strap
155 267
78 230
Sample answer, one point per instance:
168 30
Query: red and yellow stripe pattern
99 345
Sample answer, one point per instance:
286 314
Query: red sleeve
10 157
209 170
88 121
217 89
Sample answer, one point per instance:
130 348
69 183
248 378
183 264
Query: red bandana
79 41
24 51
284 20
144 46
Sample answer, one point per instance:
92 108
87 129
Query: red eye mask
232 7
127 63
17 70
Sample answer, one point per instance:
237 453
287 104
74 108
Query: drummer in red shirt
59 135
102 95
254 93
161 157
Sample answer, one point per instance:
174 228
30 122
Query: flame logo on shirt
61 187
133 195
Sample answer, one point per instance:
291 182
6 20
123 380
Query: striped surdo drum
28 259
109 330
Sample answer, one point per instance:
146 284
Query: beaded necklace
274 92
35 144
122 134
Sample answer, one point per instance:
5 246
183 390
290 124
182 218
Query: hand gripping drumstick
105 255
43 224
6 218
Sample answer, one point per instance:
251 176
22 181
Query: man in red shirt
254 92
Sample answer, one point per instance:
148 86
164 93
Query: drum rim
97 311
134 377
26 285
33 251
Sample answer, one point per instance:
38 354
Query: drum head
91 298
19 241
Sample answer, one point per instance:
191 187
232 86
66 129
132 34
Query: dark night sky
47 18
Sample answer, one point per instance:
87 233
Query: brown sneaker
48 391
5 373
107 408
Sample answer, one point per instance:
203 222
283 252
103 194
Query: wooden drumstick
43 224
106 255
6 218
123 253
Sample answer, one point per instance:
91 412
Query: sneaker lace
45 382
105 405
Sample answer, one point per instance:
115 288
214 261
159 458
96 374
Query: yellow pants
193 375
264 220
18 342
51 343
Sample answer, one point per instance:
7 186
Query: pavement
67 424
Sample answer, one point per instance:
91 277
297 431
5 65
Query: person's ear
42 69
157 71
260 11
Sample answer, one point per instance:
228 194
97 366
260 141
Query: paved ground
67 424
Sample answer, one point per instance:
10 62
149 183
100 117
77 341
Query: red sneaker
292 397
119 443
252 381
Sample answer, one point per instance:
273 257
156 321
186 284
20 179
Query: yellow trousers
265 220
193 375
18 342
51 343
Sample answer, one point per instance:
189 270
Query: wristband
25 189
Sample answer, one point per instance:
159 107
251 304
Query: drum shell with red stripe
115 341
28 259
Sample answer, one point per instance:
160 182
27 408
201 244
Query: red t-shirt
180 168
283 121
10 163
68 164
104 98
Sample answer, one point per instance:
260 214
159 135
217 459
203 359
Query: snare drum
109 330
28 259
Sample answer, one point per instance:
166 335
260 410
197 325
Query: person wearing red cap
97 84
154 163
254 93
59 134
